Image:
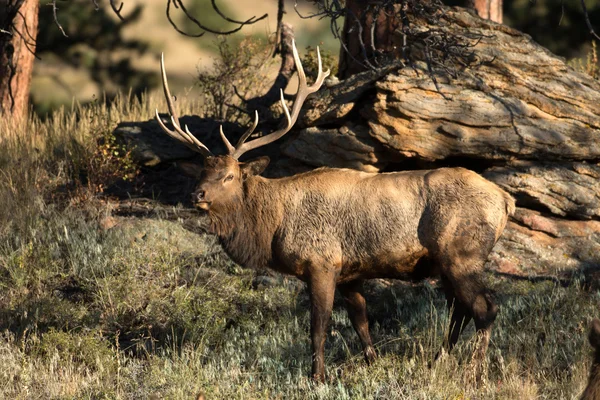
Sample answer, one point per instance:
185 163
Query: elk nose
200 195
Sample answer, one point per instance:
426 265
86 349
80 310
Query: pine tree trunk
489 9
366 37
19 22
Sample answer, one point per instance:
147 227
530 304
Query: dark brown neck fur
246 225
592 391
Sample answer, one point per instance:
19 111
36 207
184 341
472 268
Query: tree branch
179 4
55 17
116 9
286 72
587 20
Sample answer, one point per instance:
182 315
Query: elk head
222 177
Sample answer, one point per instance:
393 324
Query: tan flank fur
337 227
592 391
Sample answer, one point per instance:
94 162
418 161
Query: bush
240 68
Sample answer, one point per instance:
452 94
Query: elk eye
228 178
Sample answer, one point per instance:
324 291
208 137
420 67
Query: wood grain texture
569 189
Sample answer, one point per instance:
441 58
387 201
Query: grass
588 64
148 309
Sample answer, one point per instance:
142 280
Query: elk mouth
203 205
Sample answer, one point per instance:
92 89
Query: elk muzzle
199 200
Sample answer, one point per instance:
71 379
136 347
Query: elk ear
191 169
254 167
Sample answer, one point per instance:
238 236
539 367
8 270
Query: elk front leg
472 300
321 289
357 311
459 318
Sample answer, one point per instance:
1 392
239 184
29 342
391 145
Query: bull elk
337 227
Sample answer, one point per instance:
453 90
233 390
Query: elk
592 391
334 228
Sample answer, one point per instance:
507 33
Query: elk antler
186 136
241 147
303 91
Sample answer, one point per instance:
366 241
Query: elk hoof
441 354
319 378
370 355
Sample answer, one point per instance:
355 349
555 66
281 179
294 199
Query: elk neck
592 391
247 224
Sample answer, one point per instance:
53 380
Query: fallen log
520 102
570 189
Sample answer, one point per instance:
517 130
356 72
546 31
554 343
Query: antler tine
286 110
247 134
186 136
230 148
303 91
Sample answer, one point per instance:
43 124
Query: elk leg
460 317
356 305
322 290
472 300
484 314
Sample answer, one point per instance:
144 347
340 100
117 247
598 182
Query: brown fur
338 227
592 391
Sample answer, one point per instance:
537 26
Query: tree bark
19 22
367 37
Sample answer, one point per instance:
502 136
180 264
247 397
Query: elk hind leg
356 306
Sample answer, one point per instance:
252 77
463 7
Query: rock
263 281
533 243
107 222
569 189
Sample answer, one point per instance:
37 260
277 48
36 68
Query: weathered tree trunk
370 35
19 23
520 102
567 189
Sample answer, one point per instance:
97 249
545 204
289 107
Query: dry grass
589 65
147 309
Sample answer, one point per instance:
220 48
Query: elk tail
510 203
